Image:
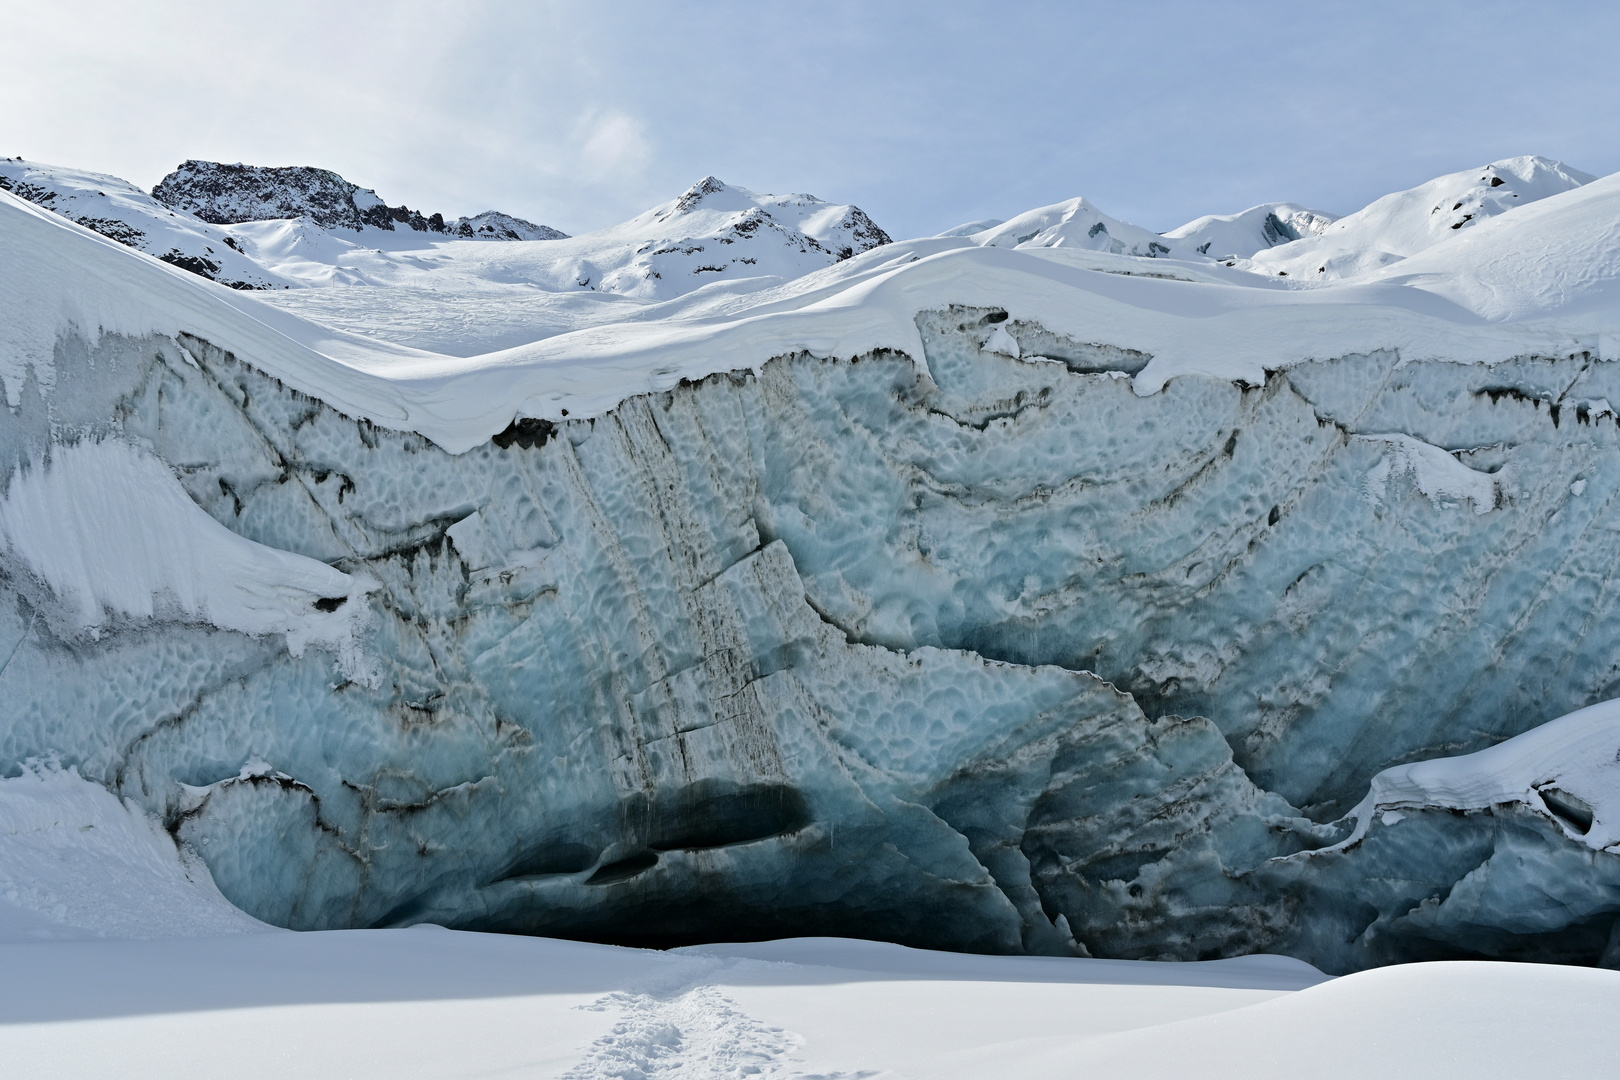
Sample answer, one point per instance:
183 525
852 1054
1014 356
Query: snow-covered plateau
1045 587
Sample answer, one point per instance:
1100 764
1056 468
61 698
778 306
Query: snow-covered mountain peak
1076 223
1407 222
1255 229
969 228
231 194
693 197
714 231
840 230
494 225
123 212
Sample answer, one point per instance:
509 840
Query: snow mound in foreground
77 862
428 1002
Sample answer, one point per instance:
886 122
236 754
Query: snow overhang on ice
1557 260
1567 769
110 530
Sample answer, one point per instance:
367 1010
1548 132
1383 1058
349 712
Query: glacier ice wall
975 650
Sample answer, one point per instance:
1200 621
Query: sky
579 115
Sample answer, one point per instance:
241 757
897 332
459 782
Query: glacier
999 600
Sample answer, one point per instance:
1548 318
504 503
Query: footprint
698 1035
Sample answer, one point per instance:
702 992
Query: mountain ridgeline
231 194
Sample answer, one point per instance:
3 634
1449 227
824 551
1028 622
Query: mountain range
255 227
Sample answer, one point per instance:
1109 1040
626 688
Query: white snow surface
1557 255
971 227
1437 473
76 862
426 1002
108 527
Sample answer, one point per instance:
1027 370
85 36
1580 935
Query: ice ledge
1438 474
1567 769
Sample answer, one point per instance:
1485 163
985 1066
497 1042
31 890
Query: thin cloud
615 146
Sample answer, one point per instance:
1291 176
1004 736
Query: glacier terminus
1043 587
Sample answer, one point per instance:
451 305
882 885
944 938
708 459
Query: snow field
1430 215
431 1003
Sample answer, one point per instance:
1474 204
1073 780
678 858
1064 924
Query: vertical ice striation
977 649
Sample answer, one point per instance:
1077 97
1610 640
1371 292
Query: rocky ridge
230 194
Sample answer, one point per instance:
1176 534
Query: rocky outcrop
229 194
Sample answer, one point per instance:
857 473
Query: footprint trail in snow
698 1034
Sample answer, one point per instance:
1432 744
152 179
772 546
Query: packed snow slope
1034 598
187 220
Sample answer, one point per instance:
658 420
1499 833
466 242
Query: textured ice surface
812 651
990 598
